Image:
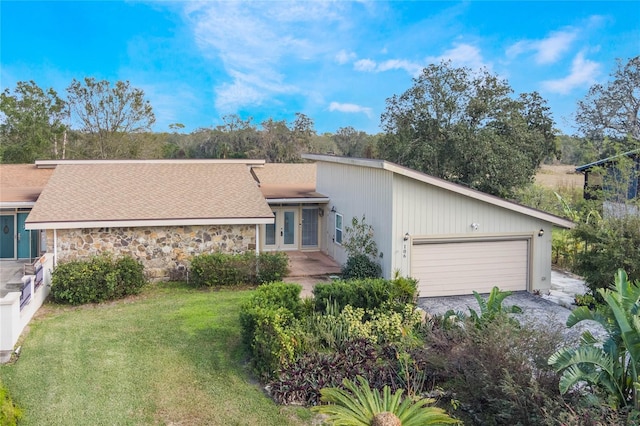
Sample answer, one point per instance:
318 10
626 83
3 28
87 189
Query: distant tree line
459 124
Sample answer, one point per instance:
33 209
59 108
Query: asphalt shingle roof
22 182
149 191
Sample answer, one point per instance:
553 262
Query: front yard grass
172 355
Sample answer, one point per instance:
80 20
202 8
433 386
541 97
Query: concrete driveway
536 311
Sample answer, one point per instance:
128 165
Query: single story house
451 238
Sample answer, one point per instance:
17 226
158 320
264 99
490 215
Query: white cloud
343 57
350 108
366 65
583 74
397 64
547 50
462 55
254 44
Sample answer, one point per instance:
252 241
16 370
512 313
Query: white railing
13 319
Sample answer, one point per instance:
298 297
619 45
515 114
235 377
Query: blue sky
336 62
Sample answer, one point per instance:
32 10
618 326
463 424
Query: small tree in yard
362 251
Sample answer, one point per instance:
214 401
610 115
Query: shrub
9 412
361 250
499 372
610 244
361 266
96 280
223 269
369 294
272 266
380 326
358 404
275 342
301 381
270 326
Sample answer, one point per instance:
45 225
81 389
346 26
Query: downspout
257 239
55 247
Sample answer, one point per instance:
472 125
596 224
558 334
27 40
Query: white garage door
455 268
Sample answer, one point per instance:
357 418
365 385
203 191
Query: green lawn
170 356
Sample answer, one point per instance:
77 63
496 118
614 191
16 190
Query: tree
279 143
32 123
353 143
613 109
466 127
109 117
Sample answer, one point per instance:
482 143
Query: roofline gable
441 183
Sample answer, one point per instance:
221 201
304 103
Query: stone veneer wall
160 249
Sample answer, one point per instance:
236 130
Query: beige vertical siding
355 191
424 210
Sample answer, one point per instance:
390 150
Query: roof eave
304 200
31 225
16 204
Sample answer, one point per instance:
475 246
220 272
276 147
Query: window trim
339 230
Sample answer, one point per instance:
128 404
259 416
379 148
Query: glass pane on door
289 227
310 227
270 231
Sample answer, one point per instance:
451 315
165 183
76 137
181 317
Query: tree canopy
109 117
32 123
612 110
466 127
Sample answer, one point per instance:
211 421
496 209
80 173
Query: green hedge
369 294
98 279
360 266
221 269
270 326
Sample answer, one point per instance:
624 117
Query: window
338 228
270 232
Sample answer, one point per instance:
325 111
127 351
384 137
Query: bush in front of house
270 326
362 251
96 280
368 293
360 266
223 269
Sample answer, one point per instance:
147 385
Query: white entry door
283 233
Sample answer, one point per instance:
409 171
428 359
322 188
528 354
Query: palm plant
359 405
614 364
492 307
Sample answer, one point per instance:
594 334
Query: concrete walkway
308 268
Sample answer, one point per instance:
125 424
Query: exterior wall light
333 209
475 226
406 237
540 232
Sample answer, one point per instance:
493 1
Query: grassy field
170 356
559 176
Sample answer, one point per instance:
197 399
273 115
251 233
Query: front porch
309 268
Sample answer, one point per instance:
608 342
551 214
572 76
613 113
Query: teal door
26 249
7 232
